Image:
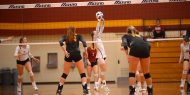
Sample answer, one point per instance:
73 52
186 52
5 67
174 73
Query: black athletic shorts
186 60
140 51
93 64
73 56
22 62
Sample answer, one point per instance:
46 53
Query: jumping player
101 55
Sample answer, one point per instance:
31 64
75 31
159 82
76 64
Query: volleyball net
88 42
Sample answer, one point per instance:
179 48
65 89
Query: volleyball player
92 66
101 55
139 52
139 75
70 46
184 58
23 55
188 78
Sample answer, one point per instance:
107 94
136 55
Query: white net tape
107 41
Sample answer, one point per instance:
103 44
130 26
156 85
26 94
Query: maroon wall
116 12
133 11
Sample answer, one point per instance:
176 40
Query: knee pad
131 74
95 75
64 75
31 73
189 71
147 76
82 75
102 73
185 71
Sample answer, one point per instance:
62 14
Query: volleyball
99 15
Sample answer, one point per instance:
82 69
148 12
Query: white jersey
184 51
25 53
99 44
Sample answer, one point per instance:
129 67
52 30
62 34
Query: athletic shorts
98 58
93 64
74 56
22 62
140 51
186 60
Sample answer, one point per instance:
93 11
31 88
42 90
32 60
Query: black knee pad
131 74
82 75
147 76
64 75
189 71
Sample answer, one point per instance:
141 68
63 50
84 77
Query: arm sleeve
82 40
124 42
61 42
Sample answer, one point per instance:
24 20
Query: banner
89 3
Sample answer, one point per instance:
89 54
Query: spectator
158 31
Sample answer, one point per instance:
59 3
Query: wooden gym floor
76 89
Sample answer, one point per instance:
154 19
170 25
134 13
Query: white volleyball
99 15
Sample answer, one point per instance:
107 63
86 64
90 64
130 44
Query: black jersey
73 46
138 46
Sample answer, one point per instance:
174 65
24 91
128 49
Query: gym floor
76 89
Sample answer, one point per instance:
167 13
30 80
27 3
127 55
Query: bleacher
164 61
